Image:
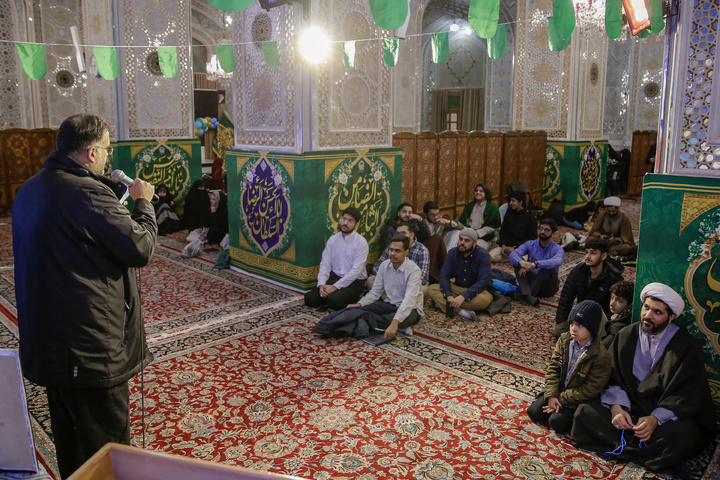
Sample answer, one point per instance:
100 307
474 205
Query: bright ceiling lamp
313 45
637 15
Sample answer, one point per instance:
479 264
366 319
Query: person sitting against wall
197 206
518 227
167 220
405 214
482 215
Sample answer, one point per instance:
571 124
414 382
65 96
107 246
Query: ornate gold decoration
241 161
694 205
389 162
330 165
279 267
224 138
289 165
290 253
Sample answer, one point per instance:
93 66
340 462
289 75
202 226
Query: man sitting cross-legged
469 264
342 275
399 279
657 405
538 275
418 253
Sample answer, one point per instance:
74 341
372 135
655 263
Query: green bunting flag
348 54
564 18
497 46
556 42
483 16
613 18
440 47
168 61
106 62
32 59
231 5
226 57
390 51
270 51
389 14
655 12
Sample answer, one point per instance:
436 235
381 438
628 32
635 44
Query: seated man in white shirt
399 279
342 275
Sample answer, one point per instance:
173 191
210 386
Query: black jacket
580 286
517 228
77 297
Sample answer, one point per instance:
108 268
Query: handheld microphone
120 177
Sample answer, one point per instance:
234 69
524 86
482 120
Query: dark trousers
340 298
560 421
544 283
387 312
670 444
83 420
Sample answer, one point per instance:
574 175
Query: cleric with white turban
665 294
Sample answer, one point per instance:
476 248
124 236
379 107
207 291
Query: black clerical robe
676 382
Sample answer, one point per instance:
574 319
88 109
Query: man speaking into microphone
78 305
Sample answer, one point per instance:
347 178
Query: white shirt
402 287
346 256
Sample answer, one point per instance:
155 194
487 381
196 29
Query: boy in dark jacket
621 298
578 370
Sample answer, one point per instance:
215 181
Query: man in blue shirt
537 276
470 266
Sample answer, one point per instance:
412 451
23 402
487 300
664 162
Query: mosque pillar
310 139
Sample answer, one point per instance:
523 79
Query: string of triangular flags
483 17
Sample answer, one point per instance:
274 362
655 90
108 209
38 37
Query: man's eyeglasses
403 233
544 229
108 149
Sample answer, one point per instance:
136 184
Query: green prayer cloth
564 18
32 59
555 41
613 18
389 14
348 54
107 62
483 16
168 61
270 51
226 57
231 5
440 47
655 12
497 46
390 51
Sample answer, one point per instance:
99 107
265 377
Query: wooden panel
426 179
447 155
537 175
493 169
477 160
511 159
641 142
526 161
16 169
408 143
42 143
461 173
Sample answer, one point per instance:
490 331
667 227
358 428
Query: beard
655 329
543 236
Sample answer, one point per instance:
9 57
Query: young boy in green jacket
578 371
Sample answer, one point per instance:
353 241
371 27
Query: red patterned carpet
240 378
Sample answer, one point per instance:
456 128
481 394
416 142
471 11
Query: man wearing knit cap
657 400
578 370
615 228
470 266
518 226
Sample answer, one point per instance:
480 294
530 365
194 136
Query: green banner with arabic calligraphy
575 172
284 207
175 163
680 247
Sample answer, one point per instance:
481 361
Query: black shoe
534 301
449 311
